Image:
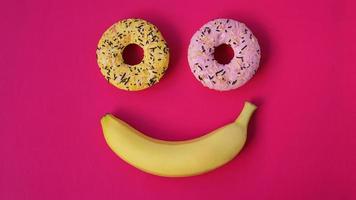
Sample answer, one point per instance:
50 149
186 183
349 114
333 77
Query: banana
177 158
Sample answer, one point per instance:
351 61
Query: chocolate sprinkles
114 40
218 72
213 73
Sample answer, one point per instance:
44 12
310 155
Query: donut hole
223 54
132 54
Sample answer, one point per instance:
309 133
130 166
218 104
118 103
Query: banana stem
246 114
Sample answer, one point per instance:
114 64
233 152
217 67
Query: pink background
301 141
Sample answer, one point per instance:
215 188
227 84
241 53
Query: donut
241 68
132 77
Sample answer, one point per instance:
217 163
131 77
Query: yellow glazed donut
132 77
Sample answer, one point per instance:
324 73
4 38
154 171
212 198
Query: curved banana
177 158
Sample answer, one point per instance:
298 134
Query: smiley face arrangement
241 68
177 158
135 77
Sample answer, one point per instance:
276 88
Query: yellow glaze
135 77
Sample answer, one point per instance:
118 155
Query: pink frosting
243 65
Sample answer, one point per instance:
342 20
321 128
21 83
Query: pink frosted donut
241 68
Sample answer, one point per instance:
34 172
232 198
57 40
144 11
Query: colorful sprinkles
240 69
132 77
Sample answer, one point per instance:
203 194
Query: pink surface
301 142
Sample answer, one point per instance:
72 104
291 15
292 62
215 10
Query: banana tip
250 105
105 117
